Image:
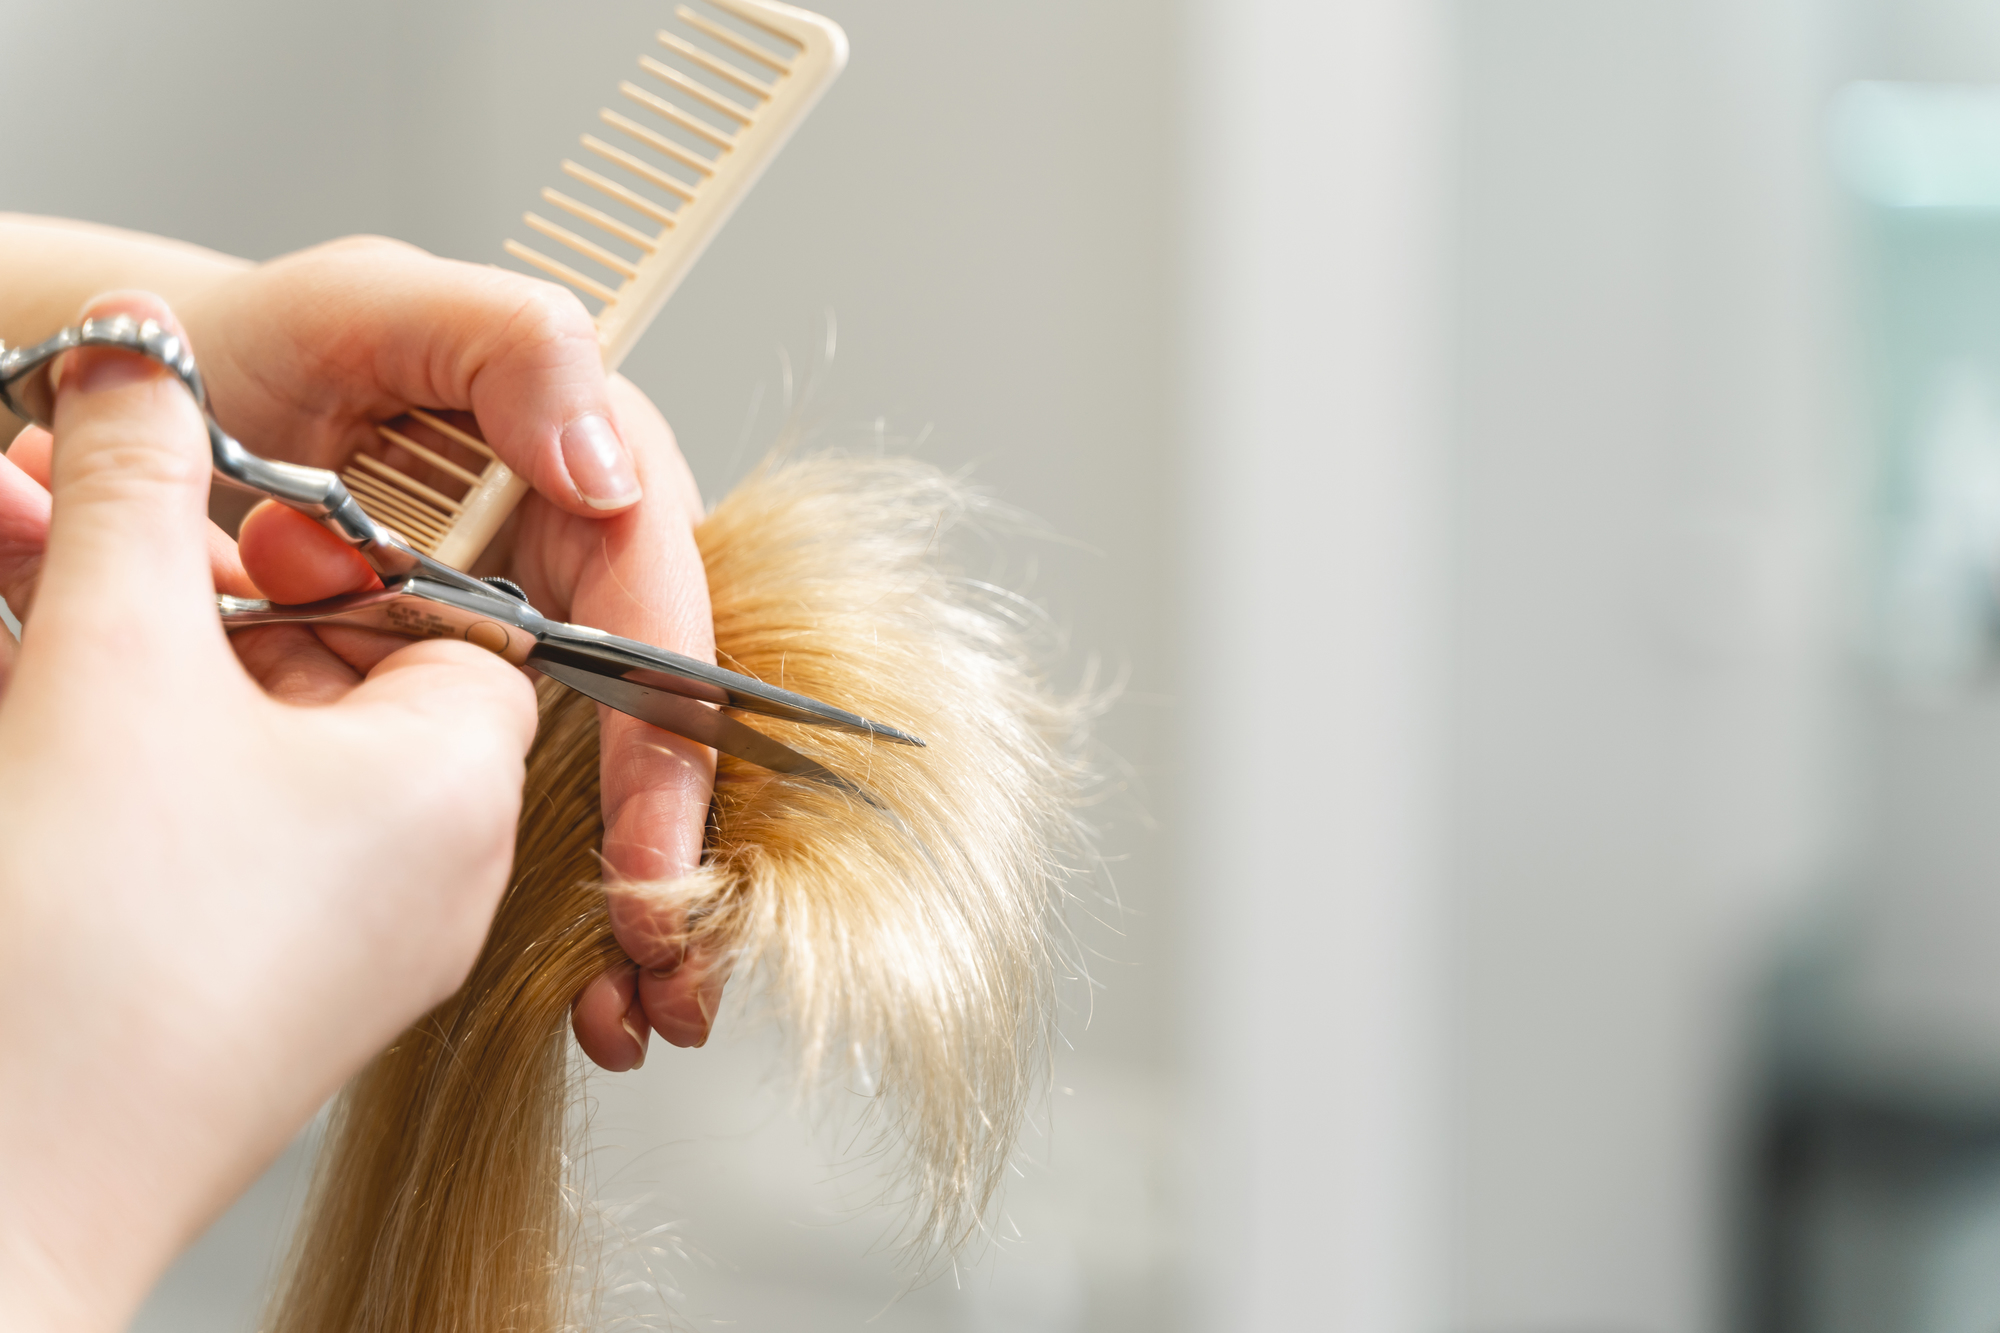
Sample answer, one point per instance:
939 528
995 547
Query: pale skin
302 356
226 878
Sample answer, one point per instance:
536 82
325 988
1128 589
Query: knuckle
369 247
124 467
550 319
100 635
485 756
471 758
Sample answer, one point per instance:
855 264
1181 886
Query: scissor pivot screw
487 635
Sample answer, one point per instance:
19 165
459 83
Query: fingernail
598 465
638 1040
679 1032
96 368
680 1028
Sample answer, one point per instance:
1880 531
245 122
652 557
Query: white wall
1648 697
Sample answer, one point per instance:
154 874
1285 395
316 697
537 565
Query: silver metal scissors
422 598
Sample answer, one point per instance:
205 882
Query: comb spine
480 514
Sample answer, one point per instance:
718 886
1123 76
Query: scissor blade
594 651
697 722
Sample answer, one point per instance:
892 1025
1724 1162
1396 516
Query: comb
659 177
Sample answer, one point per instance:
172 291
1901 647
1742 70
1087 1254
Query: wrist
46 1288
91 1209
54 265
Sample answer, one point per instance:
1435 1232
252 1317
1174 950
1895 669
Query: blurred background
1535 465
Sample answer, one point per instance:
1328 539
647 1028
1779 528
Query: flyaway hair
909 948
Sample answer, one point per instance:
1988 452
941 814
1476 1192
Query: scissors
423 598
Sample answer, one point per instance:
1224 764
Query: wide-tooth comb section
713 103
673 115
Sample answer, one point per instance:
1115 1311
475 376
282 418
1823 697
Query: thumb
521 354
127 554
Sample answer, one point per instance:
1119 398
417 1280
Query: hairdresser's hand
214 905
304 354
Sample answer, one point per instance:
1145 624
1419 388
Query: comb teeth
697 103
711 107
421 513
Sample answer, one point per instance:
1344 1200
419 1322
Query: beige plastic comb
726 91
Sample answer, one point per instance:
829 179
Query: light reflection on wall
1922 162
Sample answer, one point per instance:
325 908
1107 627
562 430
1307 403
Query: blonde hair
910 946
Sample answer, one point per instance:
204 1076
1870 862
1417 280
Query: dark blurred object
1877 1215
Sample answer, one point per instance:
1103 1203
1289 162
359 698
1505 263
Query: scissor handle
25 390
